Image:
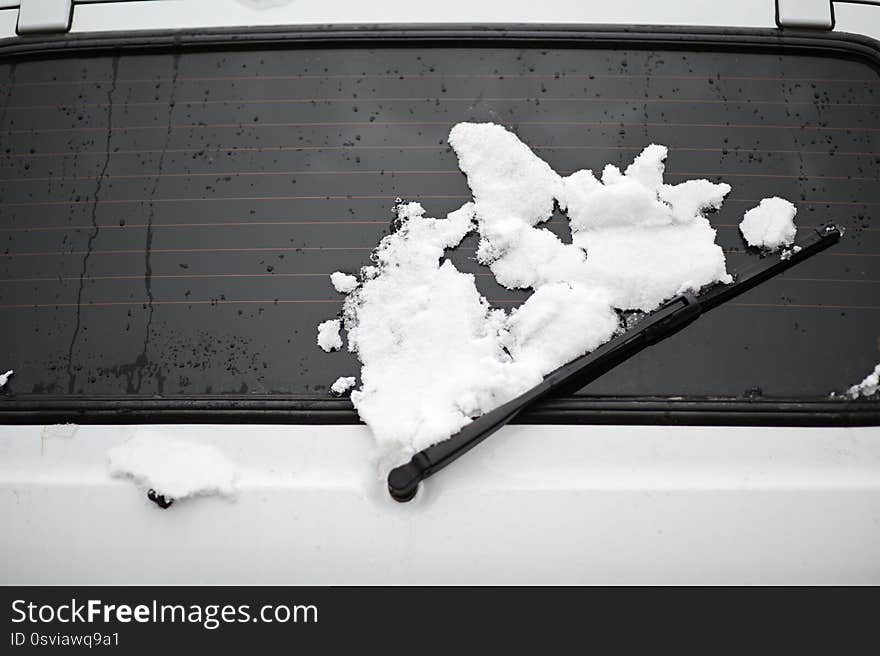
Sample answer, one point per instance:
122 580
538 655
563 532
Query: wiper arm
403 481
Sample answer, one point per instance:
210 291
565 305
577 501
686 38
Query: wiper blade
403 481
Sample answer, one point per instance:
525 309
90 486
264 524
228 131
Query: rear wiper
403 481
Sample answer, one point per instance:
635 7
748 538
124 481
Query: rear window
170 220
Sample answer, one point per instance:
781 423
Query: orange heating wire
270 249
258 222
449 99
434 76
391 172
387 197
734 150
363 124
209 224
337 301
141 276
140 251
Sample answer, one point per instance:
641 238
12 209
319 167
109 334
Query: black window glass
169 221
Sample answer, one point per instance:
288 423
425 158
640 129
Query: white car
180 177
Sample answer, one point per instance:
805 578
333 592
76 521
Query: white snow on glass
770 225
343 282
342 384
4 378
175 468
434 354
868 387
328 335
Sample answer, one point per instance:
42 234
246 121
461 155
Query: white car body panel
8 21
857 18
174 14
534 504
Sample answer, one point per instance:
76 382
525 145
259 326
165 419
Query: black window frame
566 410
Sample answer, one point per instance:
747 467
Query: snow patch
343 282
868 387
328 335
65 431
4 378
435 354
343 384
428 342
633 237
174 468
770 225
559 322
788 252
